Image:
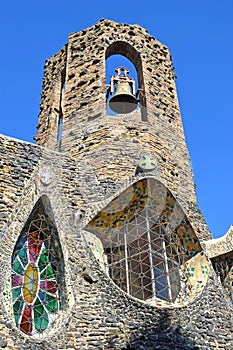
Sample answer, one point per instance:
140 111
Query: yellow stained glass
30 283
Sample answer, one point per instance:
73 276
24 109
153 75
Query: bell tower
75 90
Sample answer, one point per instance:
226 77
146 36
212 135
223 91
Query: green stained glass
43 260
17 307
52 304
15 293
42 322
22 253
41 319
38 309
47 273
17 266
43 297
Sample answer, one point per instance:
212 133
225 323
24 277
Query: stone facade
78 173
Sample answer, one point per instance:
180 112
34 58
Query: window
145 265
37 273
148 246
223 266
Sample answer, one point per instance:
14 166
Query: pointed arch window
37 272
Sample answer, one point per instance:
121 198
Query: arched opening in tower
124 85
122 82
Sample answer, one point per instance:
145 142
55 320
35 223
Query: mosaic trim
123 207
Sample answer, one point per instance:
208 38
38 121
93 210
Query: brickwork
95 161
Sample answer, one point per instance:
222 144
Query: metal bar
150 254
126 259
166 264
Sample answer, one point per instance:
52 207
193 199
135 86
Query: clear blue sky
199 35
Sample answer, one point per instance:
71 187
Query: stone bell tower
74 95
103 245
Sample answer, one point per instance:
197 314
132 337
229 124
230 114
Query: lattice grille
224 268
145 264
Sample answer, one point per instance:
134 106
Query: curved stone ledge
220 246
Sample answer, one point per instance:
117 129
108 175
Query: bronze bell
123 101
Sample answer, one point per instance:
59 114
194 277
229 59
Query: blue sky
199 35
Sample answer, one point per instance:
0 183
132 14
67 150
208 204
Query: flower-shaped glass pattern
37 274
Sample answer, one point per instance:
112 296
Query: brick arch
127 50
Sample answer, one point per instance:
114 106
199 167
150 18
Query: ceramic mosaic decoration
96 247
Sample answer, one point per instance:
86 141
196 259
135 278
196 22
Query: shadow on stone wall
163 336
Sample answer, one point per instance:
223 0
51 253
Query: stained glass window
37 273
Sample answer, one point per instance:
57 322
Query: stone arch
127 50
37 275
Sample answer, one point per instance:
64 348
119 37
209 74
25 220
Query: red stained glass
34 245
49 286
26 321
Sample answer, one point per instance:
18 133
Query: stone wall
18 160
98 314
51 100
